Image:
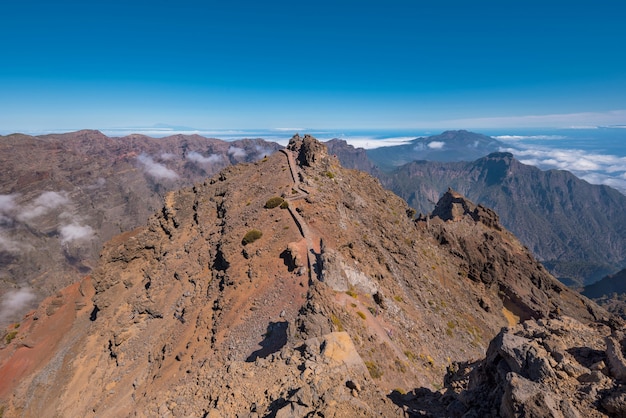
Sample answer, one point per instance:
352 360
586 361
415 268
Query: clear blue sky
313 64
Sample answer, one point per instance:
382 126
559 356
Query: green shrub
329 174
284 205
410 355
273 202
351 292
361 314
373 369
251 236
10 336
336 322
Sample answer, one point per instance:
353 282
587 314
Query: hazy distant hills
448 146
610 292
613 283
578 230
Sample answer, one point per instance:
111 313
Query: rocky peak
309 151
454 207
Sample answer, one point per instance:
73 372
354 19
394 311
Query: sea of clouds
595 164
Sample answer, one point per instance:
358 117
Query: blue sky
323 64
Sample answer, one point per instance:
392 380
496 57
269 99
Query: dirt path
305 231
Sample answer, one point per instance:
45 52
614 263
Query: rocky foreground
293 287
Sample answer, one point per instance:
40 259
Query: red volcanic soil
39 334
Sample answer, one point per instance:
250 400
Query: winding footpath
300 222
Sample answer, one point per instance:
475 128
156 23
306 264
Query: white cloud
436 144
198 158
237 152
167 156
100 182
594 168
372 142
155 169
7 203
8 245
522 137
45 203
263 151
76 232
14 301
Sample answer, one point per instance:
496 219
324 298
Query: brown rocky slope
339 303
63 195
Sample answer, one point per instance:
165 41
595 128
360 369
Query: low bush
251 236
10 336
375 372
273 202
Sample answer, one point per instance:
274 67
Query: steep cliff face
288 286
575 228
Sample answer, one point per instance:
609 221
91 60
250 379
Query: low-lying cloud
7 203
45 203
237 152
76 232
198 158
54 205
156 170
262 152
522 137
7 208
594 168
14 302
8 245
436 144
167 156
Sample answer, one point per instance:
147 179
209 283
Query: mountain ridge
63 195
553 212
189 317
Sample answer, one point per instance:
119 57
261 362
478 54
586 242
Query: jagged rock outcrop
308 150
453 207
186 320
492 256
541 368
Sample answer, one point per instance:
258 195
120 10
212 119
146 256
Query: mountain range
63 195
447 146
291 286
576 229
